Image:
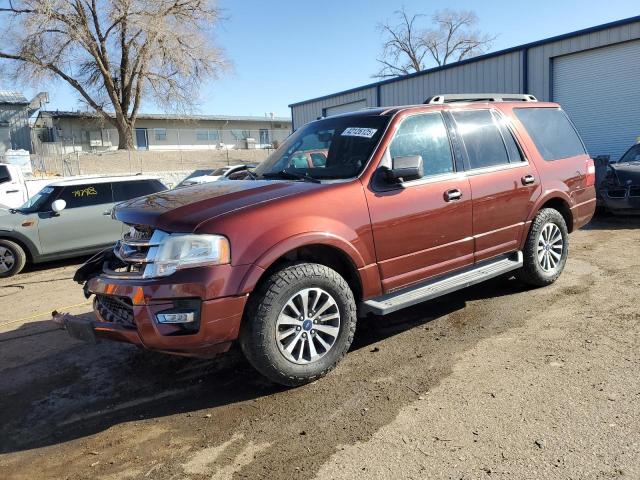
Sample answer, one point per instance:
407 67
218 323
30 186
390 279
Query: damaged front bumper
134 310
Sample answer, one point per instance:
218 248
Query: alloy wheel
550 247
7 260
308 326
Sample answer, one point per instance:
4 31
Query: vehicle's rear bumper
219 321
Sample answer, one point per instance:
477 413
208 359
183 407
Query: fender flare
281 248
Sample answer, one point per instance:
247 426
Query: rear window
127 190
552 132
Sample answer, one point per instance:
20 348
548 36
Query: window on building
86 195
551 131
241 134
482 138
214 136
202 135
160 134
424 135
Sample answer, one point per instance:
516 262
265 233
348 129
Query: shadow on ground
78 390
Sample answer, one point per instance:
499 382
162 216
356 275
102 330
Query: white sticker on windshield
359 132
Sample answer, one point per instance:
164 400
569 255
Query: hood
10 221
627 173
183 209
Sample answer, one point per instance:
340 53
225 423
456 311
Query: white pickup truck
15 189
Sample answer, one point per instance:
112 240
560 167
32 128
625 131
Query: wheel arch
557 200
28 248
329 250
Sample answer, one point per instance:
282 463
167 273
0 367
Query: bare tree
114 53
409 48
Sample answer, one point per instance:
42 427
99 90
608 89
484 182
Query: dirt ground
496 381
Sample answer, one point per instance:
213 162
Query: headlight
177 251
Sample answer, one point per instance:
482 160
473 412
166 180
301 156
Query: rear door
504 184
84 224
421 228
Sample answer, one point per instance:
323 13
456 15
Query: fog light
176 317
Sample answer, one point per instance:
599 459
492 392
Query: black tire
12 254
532 272
258 333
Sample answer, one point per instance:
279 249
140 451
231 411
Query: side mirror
58 206
405 169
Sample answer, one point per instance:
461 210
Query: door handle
107 212
528 179
13 191
453 194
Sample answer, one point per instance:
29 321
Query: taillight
591 173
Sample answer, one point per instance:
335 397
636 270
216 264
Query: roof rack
480 97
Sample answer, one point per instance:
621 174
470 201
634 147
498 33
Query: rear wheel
12 258
299 324
546 249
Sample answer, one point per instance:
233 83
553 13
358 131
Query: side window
515 154
482 138
139 188
424 135
551 131
86 195
318 159
4 174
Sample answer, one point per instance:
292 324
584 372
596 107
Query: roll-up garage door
600 90
347 107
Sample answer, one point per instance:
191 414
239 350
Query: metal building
593 73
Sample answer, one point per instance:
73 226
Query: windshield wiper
292 175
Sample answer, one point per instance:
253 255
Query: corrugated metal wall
600 90
540 57
500 73
308 112
497 74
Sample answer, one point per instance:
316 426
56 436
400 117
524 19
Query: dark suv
411 203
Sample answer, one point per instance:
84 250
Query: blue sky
285 51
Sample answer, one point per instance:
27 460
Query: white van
15 189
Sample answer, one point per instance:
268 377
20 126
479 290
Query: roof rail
480 97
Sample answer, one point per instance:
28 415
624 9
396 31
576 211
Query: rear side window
487 143
139 188
424 135
4 174
86 195
552 132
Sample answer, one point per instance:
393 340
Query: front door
84 224
142 140
504 184
421 228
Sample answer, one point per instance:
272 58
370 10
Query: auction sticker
359 132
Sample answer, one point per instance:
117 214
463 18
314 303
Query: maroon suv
411 203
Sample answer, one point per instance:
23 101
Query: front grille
617 193
115 310
136 250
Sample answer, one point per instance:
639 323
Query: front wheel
299 324
546 250
12 258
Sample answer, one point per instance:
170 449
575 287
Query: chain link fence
158 149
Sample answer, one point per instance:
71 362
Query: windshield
332 148
37 201
632 155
